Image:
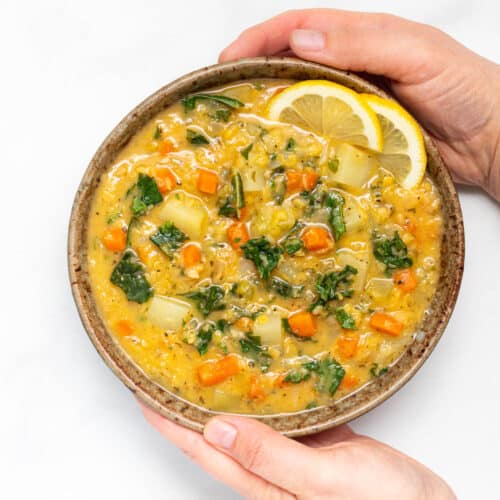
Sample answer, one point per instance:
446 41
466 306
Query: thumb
264 451
401 50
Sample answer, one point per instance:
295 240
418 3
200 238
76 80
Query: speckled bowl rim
299 423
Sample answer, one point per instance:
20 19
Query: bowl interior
292 424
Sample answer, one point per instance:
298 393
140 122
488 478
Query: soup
256 266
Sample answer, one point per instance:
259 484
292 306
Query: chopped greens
292 243
157 133
113 217
333 164
251 346
286 289
208 299
391 252
297 376
129 275
246 150
334 286
196 138
345 319
168 238
375 371
221 115
189 102
290 145
205 333
330 374
335 203
263 255
232 205
148 194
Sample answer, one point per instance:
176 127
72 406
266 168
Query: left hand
259 462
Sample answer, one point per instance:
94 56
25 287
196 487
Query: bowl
303 422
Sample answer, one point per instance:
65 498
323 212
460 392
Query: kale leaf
196 138
168 238
246 150
292 243
297 376
290 145
232 205
335 204
330 374
345 319
129 275
263 254
375 371
392 252
251 346
148 194
189 102
286 289
208 299
334 286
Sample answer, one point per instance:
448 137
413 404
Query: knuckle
252 458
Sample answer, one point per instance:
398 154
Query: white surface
68 428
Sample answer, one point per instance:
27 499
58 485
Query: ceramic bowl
292 424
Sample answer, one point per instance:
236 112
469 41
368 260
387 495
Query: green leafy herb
189 102
286 289
196 138
290 145
168 238
345 319
334 286
286 325
297 376
292 243
311 405
113 217
245 151
221 115
129 275
375 371
263 254
330 374
392 252
333 164
335 204
208 299
157 133
232 205
204 337
278 185
148 194
251 346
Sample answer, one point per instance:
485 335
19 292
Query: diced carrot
316 238
347 344
165 147
165 179
349 381
115 239
212 372
309 179
256 388
303 324
244 324
191 255
207 182
124 327
385 323
279 381
405 280
410 226
294 181
243 214
237 234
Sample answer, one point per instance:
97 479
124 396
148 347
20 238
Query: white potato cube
168 313
355 217
380 288
268 328
253 179
355 166
187 213
358 260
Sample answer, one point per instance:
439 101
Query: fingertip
220 433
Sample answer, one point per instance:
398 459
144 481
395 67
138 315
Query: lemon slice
403 153
328 109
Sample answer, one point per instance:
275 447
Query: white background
68 428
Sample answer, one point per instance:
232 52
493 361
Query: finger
218 464
357 41
328 437
265 452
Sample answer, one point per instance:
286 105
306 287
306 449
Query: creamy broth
262 277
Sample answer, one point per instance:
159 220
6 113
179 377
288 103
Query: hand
453 92
338 464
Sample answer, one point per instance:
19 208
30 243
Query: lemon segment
330 110
403 153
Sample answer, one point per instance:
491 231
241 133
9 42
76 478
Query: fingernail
308 40
220 434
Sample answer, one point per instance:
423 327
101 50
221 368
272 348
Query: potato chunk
359 260
168 313
268 328
355 166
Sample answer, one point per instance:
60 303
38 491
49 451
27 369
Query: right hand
453 92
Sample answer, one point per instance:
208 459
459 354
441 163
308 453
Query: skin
455 94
